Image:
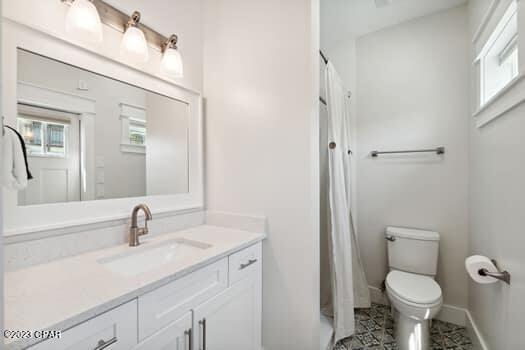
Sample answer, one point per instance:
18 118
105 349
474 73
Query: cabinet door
176 336
232 319
113 330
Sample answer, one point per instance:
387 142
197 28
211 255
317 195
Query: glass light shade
134 45
83 21
172 63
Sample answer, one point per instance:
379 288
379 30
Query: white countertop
66 292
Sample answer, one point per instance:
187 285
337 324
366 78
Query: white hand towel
14 172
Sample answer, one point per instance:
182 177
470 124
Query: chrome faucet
135 231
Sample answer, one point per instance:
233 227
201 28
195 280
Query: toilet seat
414 289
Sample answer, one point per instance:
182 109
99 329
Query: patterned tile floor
375 331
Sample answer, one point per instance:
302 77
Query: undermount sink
146 258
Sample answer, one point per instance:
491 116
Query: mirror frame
71 215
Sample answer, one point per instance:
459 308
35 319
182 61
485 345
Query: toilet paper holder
500 275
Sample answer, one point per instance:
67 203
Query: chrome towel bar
438 150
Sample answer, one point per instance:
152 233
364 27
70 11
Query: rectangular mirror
90 137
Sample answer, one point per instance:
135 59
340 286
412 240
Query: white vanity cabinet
216 307
226 310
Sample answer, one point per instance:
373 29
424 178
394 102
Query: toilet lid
414 288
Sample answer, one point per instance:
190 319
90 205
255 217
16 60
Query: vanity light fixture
134 45
172 60
83 20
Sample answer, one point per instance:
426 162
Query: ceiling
341 19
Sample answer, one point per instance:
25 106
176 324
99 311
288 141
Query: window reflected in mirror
46 138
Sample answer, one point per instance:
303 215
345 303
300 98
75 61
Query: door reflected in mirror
90 137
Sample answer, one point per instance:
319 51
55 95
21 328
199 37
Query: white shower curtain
349 286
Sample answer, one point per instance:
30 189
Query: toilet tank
412 250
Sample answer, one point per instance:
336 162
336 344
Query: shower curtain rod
324 57
325 60
321 99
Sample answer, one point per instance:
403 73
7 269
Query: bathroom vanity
103 136
194 289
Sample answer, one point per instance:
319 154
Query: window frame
132 115
137 124
510 14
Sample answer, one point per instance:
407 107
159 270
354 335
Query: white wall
497 202
261 86
1 208
412 92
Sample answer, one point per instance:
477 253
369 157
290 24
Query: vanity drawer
117 329
245 262
169 303
176 336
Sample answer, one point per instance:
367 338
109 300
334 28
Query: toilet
413 293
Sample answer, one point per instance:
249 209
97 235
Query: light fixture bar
118 20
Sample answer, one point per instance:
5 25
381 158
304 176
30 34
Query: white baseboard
449 313
478 343
452 314
377 296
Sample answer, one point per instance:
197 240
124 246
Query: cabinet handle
250 262
190 339
203 324
104 344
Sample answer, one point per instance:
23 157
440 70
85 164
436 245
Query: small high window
499 56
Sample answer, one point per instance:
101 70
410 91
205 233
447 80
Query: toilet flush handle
390 238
